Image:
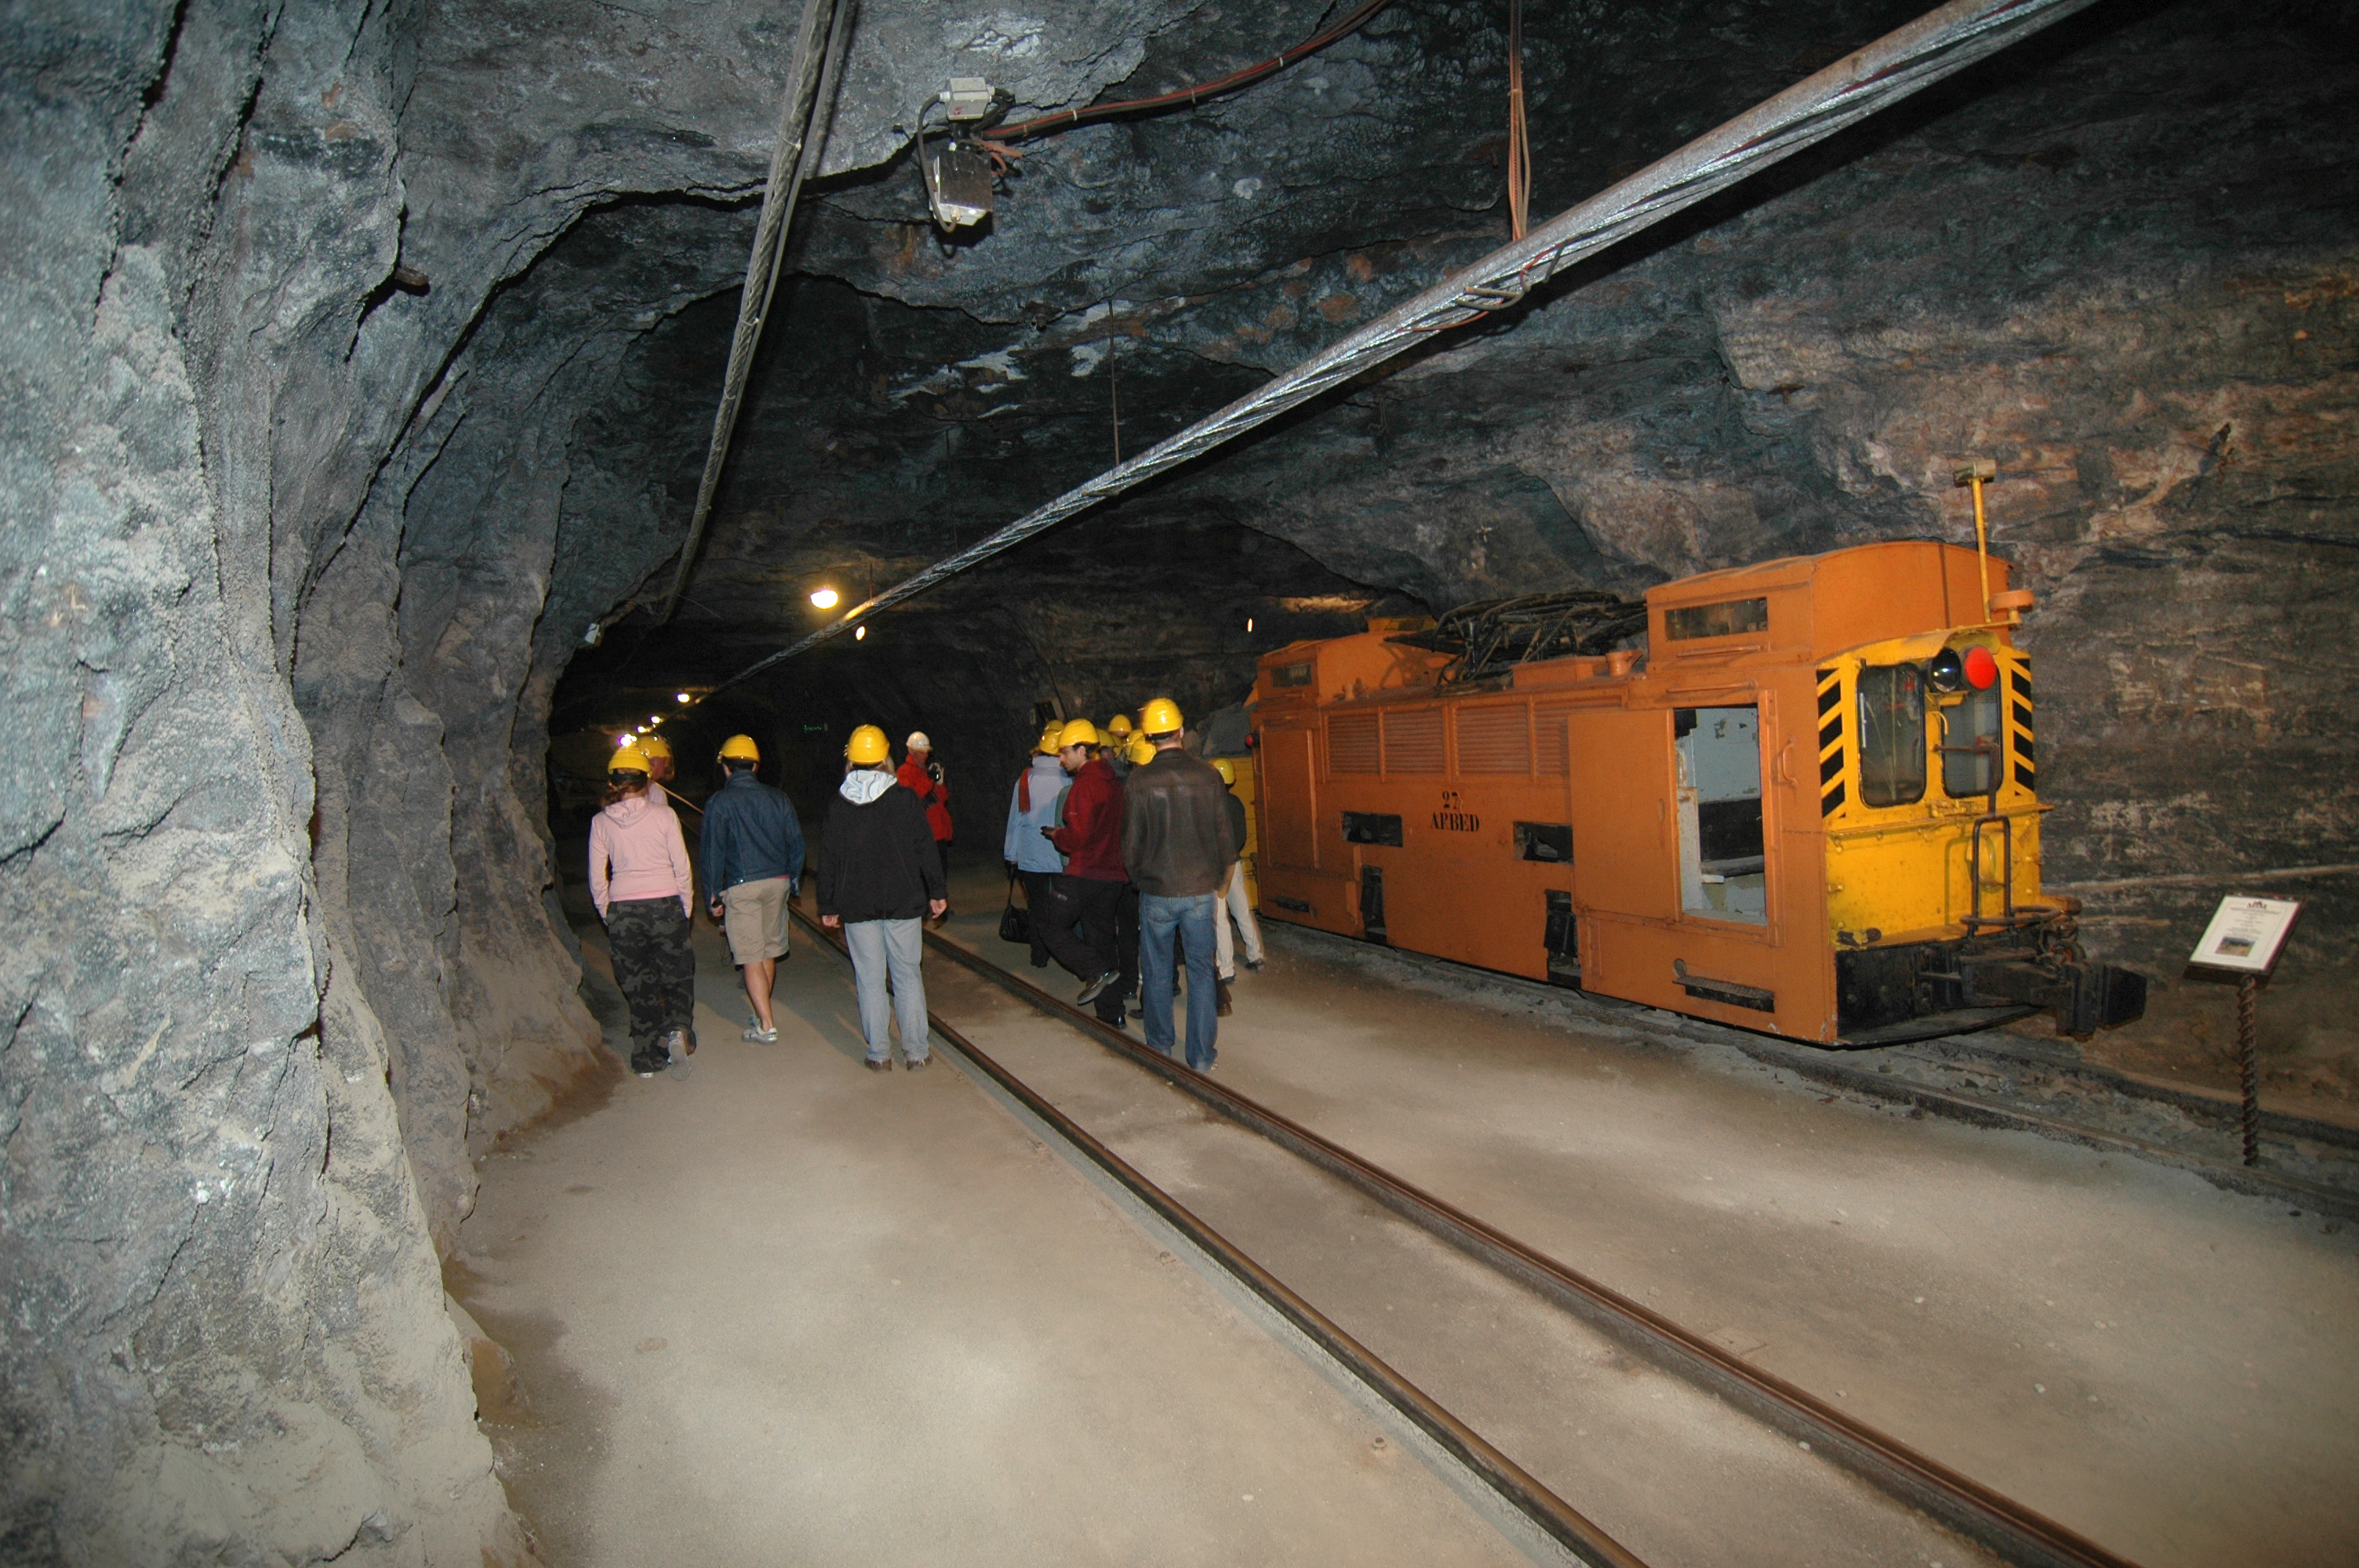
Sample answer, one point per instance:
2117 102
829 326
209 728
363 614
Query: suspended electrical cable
997 138
803 118
1519 135
1937 44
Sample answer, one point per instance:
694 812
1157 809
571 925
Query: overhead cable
1519 135
1064 119
1936 45
803 117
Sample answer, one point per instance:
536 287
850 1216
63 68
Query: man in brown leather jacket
1176 846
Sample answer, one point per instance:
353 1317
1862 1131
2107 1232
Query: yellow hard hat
1222 766
1077 733
1141 750
656 746
741 749
629 760
867 745
1118 726
1160 716
1048 746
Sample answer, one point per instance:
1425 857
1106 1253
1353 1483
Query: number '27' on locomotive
1808 806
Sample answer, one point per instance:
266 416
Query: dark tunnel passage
358 370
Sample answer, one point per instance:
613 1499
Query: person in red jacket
922 776
1079 918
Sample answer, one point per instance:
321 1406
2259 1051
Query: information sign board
2245 934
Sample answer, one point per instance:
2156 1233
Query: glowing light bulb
825 597
684 697
860 634
1249 619
624 740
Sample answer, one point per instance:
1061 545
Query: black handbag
1014 921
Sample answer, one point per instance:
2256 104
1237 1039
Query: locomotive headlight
1953 670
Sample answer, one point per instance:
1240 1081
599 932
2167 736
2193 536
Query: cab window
1971 745
1892 735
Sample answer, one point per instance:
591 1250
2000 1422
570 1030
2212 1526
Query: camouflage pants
654 966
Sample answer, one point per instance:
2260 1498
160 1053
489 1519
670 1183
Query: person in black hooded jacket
880 874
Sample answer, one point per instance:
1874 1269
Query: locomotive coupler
2053 975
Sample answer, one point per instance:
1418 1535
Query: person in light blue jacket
1038 802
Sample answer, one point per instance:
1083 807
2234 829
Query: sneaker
1090 993
1221 1008
920 1065
877 1064
1253 963
761 1036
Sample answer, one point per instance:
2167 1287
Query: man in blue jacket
753 854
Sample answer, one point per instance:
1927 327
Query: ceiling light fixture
825 598
685 698
958 175
860 635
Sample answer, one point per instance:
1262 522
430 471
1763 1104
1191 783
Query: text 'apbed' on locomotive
1808 806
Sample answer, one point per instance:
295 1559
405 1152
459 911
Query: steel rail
1832 1069
2016 1533
1529 1496
808 105
1936 45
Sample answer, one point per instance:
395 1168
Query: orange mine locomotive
1808 806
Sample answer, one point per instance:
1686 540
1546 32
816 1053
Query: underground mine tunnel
366 501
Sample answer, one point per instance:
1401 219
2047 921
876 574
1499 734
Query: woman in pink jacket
639 880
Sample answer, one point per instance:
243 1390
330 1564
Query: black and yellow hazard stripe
1831 741
2019 725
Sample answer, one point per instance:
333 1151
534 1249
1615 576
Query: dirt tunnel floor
790 1310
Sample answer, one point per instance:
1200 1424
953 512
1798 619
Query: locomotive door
1288 834
1618 772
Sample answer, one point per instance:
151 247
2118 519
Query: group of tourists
1125 846
880 873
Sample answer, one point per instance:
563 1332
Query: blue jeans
881 948
1190 919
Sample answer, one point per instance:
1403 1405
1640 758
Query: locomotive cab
1808 808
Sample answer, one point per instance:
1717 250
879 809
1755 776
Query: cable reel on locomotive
1492 635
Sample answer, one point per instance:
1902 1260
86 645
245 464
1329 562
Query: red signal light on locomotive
1982 669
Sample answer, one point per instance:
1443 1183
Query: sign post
2244 938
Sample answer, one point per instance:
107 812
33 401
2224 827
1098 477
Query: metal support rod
803 117
2248 1009
1937 44
1982 545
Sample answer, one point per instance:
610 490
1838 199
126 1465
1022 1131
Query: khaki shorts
756 920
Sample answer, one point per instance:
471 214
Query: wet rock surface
359 358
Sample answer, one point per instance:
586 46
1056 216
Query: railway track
1987 1079
2008 1530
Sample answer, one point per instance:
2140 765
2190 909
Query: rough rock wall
225 1338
